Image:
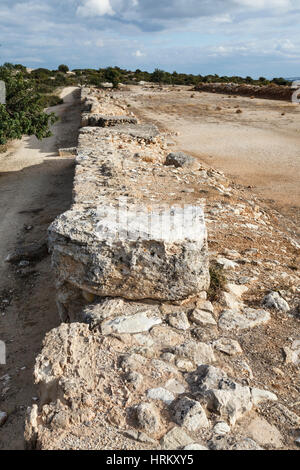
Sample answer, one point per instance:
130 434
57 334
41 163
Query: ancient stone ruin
135 363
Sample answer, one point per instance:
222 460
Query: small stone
205 305
236 290
248 318
297 442
231 301
148 418
199 353
190 414
184 365
135 379
175 439
221 428
174 386
168 357
228 346
179 320
129 324
226 263
264 433
261 396
292 353
274 300
161 394
203 318
3 418
181 160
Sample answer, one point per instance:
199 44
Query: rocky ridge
143 359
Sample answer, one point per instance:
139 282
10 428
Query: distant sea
292 79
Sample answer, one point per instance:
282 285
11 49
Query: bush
23 113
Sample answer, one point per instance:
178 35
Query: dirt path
35 186
259 146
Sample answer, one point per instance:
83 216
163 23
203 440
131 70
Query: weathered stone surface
223 396
274 300
180 160
264 433
190 414
129 324
203 318
143 266
175 386
261 396
148 418
248 318
175 439
221 428
162 394
107 121
292 353
228 346
199 353
179 320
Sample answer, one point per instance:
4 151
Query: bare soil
35 187
257 147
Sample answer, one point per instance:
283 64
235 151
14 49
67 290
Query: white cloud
95 8
139 54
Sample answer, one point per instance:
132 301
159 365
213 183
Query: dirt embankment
271 92
35 187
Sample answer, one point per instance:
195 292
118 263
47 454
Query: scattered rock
190 414
224 396
175 386
292 353
264 433
274 300
181 160
228 346
221 428
261 396
199 353
179 320
162 394
248 318
148 418
203 318
175 439
129 324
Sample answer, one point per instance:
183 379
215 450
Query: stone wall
137 363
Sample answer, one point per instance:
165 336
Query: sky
226 37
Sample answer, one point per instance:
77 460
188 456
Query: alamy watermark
296 94
2 353
2 92
160 222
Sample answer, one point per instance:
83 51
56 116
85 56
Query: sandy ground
35 187
259 147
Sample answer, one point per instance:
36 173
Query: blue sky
227 37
